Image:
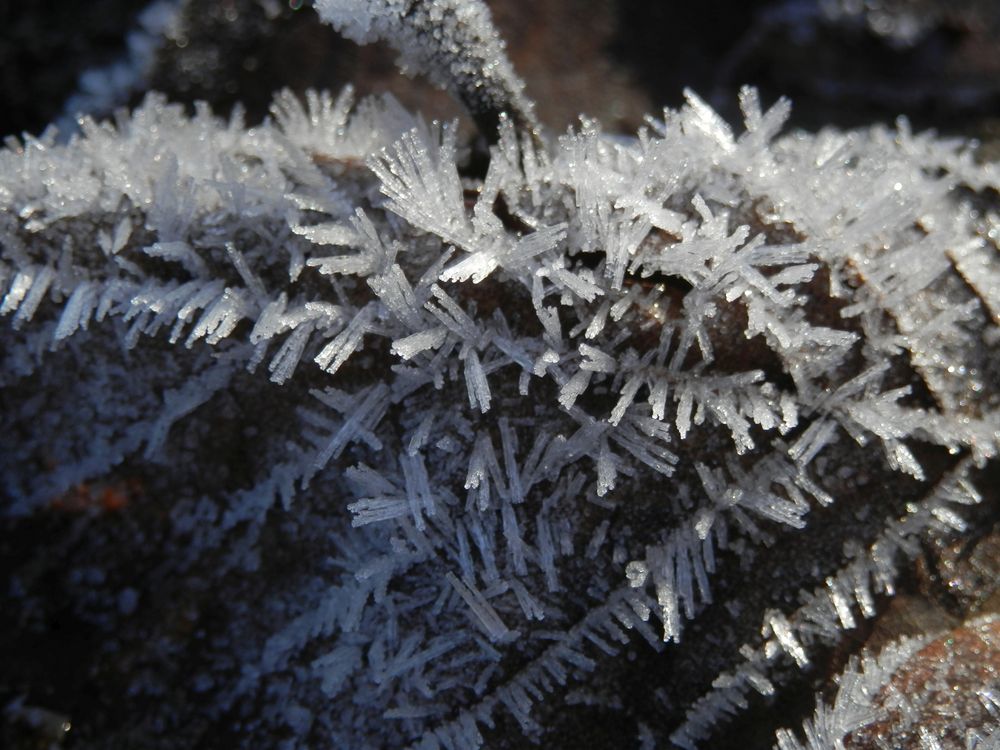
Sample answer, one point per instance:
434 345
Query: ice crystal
449 445
877 703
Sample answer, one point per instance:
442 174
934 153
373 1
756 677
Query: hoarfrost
497 448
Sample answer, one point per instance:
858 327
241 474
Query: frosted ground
402 453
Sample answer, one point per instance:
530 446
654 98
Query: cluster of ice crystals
513 423
875 701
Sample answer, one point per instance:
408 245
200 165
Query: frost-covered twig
453 42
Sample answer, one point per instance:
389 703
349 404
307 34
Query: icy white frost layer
577 382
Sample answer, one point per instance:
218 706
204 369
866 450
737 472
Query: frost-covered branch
453 42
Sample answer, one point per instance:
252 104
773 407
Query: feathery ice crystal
452 457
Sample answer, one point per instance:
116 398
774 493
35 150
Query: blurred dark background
843 62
